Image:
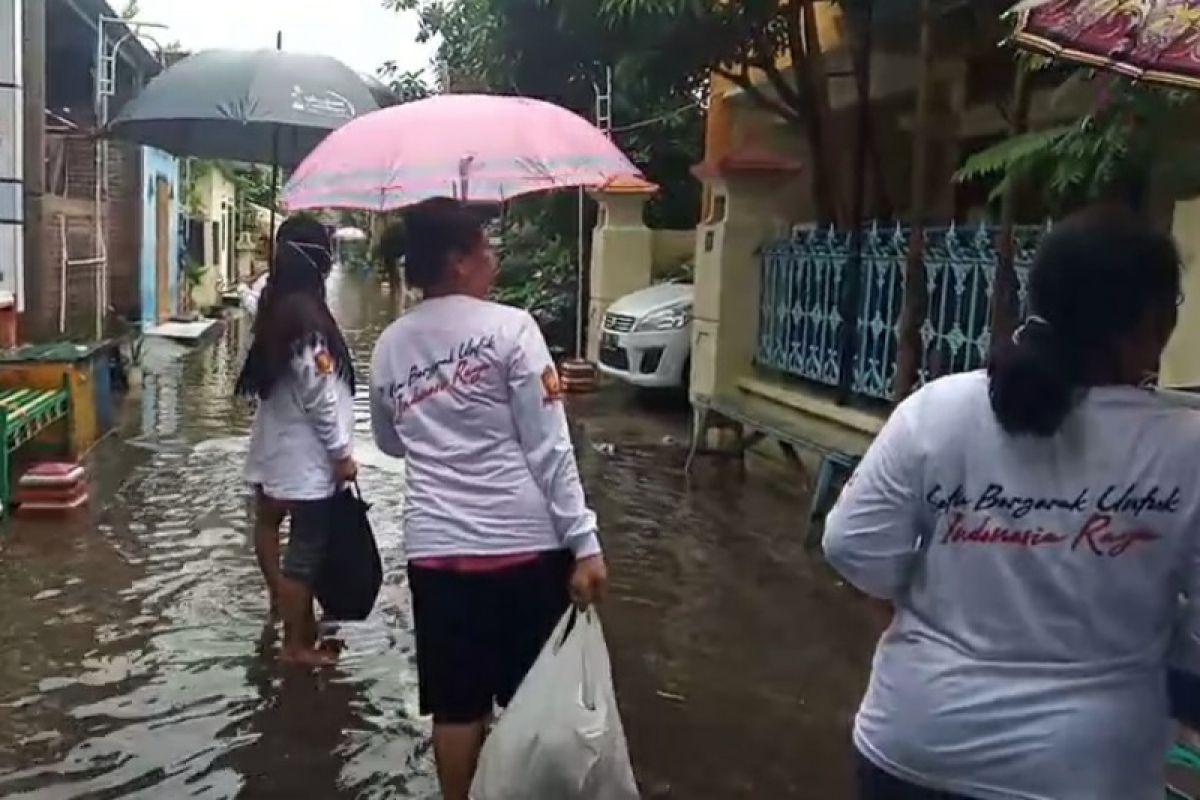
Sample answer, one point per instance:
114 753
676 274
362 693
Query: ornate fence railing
801 325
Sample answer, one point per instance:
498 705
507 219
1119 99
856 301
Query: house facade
211 251
93 207
776 345
159 274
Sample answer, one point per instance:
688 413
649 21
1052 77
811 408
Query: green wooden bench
24 413
835 465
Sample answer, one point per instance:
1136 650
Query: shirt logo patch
551 387
323 362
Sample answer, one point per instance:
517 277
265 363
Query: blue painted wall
155 164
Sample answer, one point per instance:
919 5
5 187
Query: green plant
1112 150
194 272
538 274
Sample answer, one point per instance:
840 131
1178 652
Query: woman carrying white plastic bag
499 537
561 737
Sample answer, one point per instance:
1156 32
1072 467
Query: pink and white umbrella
480 148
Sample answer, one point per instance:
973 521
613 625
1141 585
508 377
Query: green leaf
1012 153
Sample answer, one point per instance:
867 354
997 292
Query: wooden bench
835 466
24 413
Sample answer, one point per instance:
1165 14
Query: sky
361 33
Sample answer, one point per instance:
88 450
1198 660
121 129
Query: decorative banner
1149 40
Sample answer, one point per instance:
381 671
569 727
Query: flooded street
135 662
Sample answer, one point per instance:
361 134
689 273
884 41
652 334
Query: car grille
614 357
619 323
651 358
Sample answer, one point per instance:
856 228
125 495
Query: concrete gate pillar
744 215
622 250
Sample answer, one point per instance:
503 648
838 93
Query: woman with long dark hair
301 373
1034 527
497 530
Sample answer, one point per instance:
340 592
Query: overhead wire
656 120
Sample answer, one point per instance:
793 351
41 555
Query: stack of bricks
52 489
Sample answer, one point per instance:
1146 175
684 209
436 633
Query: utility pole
105 88
578 374
603 114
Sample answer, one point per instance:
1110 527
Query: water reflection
134 660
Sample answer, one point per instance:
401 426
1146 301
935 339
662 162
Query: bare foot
334 646
306 657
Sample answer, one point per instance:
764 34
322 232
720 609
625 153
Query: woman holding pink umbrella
498 533
499 536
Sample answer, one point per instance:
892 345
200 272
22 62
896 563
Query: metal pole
852 290
105 75
100 75
603 113
274 179
579 274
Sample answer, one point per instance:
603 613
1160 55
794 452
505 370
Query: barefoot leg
299 633
268 517
456 750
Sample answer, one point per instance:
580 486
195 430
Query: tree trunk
851 291
815 86
912 314
1004 288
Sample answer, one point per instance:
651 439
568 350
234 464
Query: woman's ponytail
1032 387
1100 277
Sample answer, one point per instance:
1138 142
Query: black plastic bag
352 571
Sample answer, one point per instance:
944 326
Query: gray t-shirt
1036 583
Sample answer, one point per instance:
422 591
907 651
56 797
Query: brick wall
126 200
77 217
71 165
76 175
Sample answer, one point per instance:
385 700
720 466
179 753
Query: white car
646 337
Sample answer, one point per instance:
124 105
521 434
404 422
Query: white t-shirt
465 390
301 430
1036 585
250 295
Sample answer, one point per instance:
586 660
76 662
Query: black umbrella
258 106
261 106
383 94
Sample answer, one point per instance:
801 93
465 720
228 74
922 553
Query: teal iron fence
801 325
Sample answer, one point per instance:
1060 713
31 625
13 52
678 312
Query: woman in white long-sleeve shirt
498 533
1034 528
249 295
301 373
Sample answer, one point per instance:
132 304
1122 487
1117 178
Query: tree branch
743 82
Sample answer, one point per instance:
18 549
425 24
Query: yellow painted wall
671 248
85 427
1181 361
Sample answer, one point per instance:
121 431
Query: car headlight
668 319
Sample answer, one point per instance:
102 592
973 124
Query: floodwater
135 662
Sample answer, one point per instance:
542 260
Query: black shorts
308 539
479 633
876 784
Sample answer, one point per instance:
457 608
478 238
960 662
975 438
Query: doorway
162 249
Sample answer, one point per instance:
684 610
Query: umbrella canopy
1149 40
380 91
473 147
260 106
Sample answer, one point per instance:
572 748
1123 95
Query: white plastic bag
561 737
